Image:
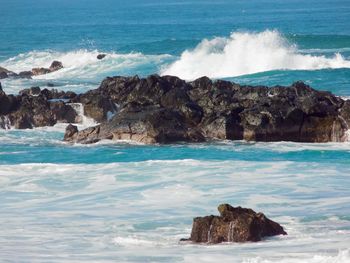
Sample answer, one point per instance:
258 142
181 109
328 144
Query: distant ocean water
126 202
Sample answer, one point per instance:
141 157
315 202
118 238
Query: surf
244 53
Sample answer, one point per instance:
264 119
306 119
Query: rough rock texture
235 224
167 109
35 108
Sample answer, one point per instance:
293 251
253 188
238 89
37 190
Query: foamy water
248 53
109 211
240 54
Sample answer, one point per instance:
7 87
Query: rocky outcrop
35 108
235 224
167 110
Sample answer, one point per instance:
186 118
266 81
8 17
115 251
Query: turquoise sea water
123 202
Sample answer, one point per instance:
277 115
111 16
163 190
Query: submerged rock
167 110
235 224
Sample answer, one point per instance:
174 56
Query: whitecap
247 53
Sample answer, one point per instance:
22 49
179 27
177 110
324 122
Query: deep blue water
122 202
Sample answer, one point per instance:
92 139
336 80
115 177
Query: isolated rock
204 109
55 65
235 224
101 56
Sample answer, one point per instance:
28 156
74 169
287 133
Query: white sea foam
82 70
248 53
114 209
80 63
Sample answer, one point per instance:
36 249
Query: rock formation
167 110
35 108
235 224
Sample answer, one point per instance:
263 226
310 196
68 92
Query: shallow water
127 202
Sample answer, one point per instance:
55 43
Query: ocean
128 202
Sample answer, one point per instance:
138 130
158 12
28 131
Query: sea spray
83 119
247 53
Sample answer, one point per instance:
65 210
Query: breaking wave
248 53
80 63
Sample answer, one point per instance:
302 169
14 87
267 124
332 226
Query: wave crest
247 53
81 64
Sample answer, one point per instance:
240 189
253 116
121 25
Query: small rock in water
101 56
70 131
55 65
235 224
50 85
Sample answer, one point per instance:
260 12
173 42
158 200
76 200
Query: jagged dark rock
235 224
33 108
96 106
167 109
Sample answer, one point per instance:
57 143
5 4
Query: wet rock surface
235 224
35 108
168 110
